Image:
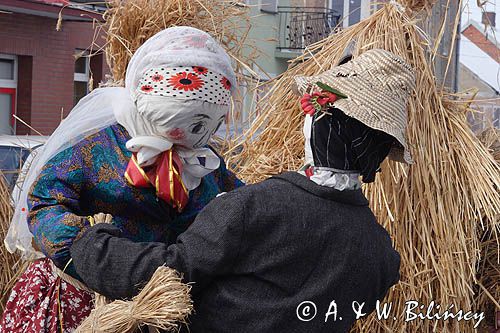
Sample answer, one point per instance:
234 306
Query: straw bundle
491 140
432 209
128 24
164 303
418 5
11 266
488 285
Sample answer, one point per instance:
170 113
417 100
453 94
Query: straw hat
377 85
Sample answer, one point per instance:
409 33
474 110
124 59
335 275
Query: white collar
338 179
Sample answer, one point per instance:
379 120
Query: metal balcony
303 26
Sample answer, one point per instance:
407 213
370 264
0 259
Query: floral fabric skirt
42 302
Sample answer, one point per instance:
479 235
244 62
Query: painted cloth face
180 81
186 105
182 107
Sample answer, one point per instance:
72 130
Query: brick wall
45 65
481 41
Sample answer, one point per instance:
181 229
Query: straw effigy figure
432 209
127 26
138 153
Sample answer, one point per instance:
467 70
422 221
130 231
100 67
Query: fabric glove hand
102 218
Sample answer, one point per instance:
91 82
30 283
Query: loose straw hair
11 265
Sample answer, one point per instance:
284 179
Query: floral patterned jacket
87 179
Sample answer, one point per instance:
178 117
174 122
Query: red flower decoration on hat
157 77
200 70
318 100
186 81
225 82
147 88
315 102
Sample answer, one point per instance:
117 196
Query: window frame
13 108
9 83
265 7
9 87
82 77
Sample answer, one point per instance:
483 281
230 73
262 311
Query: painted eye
218 126
198 127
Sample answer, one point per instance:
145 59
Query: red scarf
164 175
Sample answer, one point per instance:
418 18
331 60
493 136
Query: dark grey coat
255 254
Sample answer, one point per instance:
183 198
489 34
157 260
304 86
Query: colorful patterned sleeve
53 205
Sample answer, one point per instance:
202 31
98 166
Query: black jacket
255 254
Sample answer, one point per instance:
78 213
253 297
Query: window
7 67
82 74
354 11
270 6
8 93
488 115
338 6
11 162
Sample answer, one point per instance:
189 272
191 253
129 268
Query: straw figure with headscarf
138 153
295 252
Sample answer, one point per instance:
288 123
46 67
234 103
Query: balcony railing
303 26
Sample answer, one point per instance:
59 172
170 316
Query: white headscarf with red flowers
155 120
180 81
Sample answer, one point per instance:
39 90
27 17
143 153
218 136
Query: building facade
282 29
479 71
44 72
